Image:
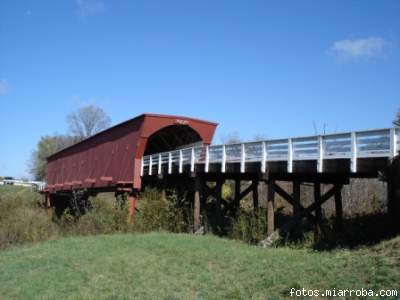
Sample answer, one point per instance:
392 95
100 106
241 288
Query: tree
260 137
87 121
47 146
83 123
397 120
231 138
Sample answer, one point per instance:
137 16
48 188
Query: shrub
153 211
26 225
22 220
249 227
159 212
105 216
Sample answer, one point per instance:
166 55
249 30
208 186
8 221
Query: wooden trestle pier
316 160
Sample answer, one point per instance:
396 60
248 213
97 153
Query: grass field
171 266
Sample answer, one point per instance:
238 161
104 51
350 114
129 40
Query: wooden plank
218 190
196 212
271 208
318 212
296 198
132 208
317 199
322 200
47 201
255 195
283 193
246 191
338 207
237 196
306 211
328 194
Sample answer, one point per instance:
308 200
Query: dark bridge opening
171 138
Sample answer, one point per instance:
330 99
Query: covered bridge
111 160
166 150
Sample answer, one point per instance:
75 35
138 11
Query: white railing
41 186
349 145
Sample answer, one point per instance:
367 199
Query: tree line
82 123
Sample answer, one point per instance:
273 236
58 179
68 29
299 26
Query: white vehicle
8 180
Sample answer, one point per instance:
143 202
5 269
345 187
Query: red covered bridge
168 149
111 159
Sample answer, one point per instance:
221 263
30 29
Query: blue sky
256 67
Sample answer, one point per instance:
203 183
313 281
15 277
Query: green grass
171 266
12 190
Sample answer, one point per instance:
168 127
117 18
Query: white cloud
90 7
3 87
357 49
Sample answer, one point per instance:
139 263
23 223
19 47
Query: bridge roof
139 118
113 156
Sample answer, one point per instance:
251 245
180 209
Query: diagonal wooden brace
288 226
290 199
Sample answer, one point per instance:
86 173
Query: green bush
249 227
157 212
26 225
105 217
153 211
22 220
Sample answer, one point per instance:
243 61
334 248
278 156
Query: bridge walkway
320 159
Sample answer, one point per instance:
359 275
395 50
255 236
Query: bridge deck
356 154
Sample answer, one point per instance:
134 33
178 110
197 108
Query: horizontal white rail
349 145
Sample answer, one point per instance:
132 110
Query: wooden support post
318 211
255 195
303 211
290 199
204 193
390 195
393 192
196 213
132 207
47 202
338 207
271 208
297 206
393 200
218 190
296 198
164 185
237 196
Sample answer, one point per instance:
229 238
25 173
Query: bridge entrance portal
171 138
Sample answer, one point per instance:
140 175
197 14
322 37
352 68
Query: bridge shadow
354 232
362 230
